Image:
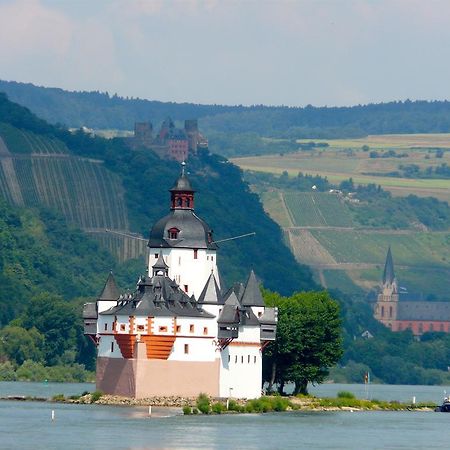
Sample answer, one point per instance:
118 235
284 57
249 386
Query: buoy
53 415
149 410
414 400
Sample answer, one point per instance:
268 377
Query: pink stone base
140 378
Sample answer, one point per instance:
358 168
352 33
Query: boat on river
445 407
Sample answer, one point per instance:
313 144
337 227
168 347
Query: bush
218 408
187 410
345 394
194 411
233 405
96 396
58 398
203 404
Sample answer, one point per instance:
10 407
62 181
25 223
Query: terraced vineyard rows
412 249
25 142
317 209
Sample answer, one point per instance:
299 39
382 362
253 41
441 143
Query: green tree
308 339
19 344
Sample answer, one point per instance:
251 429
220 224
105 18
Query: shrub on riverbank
34 371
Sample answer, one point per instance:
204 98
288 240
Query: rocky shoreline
303 403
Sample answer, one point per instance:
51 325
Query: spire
252 294
160 266
110 291
388 273
211 292
182 194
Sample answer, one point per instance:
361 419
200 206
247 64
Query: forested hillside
101 110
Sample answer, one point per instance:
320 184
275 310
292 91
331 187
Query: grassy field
317 209
345 158
409 249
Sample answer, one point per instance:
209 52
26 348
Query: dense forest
104 111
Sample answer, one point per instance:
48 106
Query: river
28 425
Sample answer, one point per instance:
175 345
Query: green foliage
267 404
233 405
7 372
96 395
58 398
218 408
19 344
187 410
345 394
308 339
203 404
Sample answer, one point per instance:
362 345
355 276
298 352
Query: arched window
188 203
179 201
382 311
173 233
390 311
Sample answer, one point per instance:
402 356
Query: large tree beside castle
308 340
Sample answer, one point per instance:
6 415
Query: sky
319 52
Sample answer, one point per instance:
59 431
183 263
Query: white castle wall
185 269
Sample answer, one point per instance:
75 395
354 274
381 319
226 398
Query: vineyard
410 249
317 209
26 142
38 170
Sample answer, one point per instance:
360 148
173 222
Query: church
400 311
180 332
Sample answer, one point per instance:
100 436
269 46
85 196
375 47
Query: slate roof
193 232
270 316
252 294
110 290
231 310
158 296
388 273
420 311
211 292
182 184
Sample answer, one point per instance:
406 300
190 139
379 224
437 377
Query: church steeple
182 194
388 273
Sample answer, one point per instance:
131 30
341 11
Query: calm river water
28 425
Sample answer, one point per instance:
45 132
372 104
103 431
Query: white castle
180 333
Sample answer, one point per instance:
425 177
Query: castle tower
387 301
184 240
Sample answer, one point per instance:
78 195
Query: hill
97 183
103 111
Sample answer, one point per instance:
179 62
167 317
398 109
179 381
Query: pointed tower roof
211 292
110 290
252 294
388 273
230 311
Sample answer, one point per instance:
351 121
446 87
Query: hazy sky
322 52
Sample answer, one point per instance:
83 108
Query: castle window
382 311
205 331
173 233
156 255
106 327
212 258
390 311
163 329
178 328
191 328
259 314
431 327
140 327
186 349
229 358
186 288
420 327
248 361
235 359
442 327
195 253
254 359
122 327
188 203
112 347
242 359
179 201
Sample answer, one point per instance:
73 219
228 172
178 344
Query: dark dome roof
182 184
193 231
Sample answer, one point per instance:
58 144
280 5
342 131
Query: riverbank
207 405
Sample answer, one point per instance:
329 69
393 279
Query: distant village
170 142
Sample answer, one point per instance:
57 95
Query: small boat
445 407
